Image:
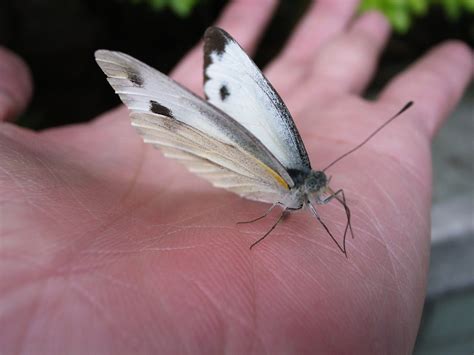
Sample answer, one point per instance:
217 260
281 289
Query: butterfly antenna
406 107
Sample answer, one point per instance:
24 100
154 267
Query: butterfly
242 139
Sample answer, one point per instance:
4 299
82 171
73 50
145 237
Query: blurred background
57 39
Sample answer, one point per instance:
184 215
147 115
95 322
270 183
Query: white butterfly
242 139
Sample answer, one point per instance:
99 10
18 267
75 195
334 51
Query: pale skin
107 247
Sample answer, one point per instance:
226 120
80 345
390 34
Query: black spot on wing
224 92
155 107
135 78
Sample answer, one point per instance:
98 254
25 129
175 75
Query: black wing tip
215 40
212 31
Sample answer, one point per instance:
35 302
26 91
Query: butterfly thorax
309 185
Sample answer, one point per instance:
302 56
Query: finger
435 83
244 20
347 64
325 19
15 85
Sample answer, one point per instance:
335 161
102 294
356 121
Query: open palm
107 247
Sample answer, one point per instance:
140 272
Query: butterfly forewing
202 137
233 83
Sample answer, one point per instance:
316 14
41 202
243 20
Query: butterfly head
316 187
315 181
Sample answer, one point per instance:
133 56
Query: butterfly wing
223 165
185 127
233 83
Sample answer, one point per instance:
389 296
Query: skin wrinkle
37 208
176 327
100 310
394 276
408 196
254 300
198 214
220 309
124 197
136 173
95 230
23 260
8 290
313 241
276 305
393 265
215 299
373 222
382 287
84 269
288 291
406 270
38 305
386 245
140 250
163 236
385 193
288 266
210 301
97 305
14 180
118 216
34 310
190 226
56 178
368 202
206 227
168 314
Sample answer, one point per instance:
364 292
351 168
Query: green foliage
180 7
401 13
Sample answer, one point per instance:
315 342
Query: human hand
107 247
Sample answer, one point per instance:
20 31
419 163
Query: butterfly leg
342 201
316 214
261 217
270 230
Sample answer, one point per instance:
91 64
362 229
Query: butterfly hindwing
233 83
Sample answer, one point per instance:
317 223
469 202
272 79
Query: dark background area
57 39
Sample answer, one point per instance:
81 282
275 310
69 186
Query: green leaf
469 5
400 20
419 7
157 4
367 5
182 7
452 8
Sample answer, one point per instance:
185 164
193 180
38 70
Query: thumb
15 85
